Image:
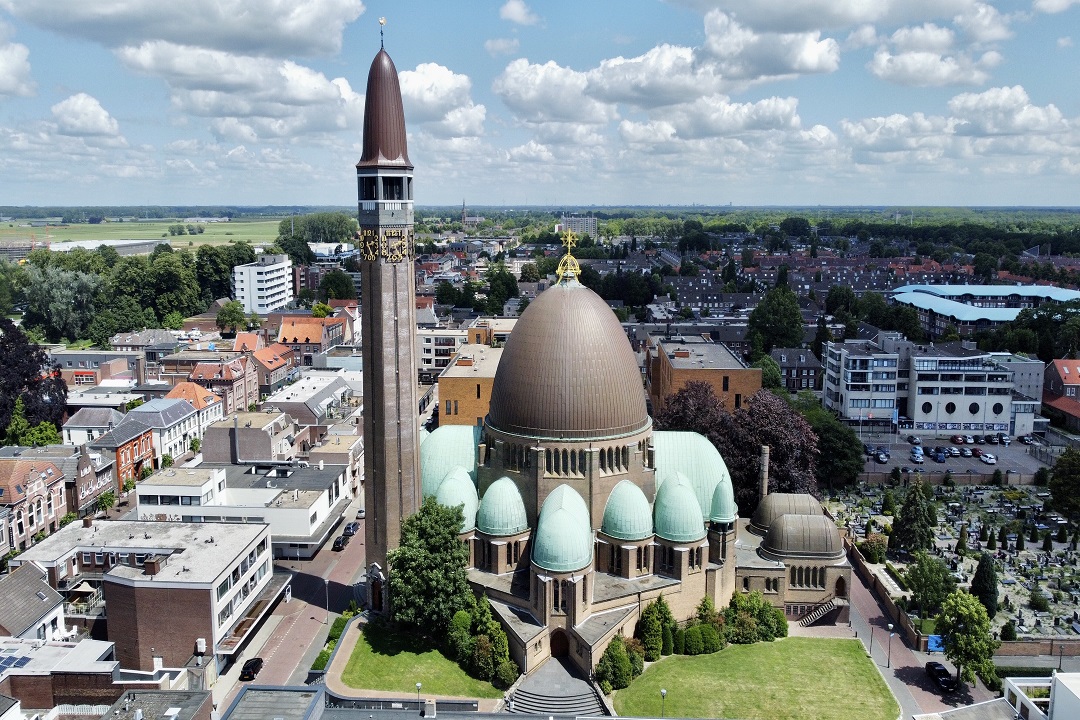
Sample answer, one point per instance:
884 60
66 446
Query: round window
973 408
927 407
998 407
950 408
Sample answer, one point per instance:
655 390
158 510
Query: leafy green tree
336 285
173 321
913 528
930 583
195 444
167 460
321 310
106 501
529 273
60 302
965 630
770 373
174 285
614 672
428 583
984 585
1064 484
841 298
822 336
840 453
749 618
777 320
213 270
888 503
231 316
651 633
20 432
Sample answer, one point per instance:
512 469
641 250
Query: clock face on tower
392 245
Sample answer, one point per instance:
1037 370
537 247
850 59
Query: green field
255 232
384 659
790 679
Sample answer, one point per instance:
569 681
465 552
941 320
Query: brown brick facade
145 622
464 400
732 385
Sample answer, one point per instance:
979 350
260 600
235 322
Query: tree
965 630
336 285
173 285
614 672
840 453
913 529
213 270
822 336
1064 484
428 583
841 298
962 541
106 501
984 585
888 503
770 373
777 320
651 633
321 310
529 273
930 583
25 374
60 302
173 321
20 432
231 316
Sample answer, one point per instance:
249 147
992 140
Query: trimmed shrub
1008 630
710 639
321 660
483 659
605 687
679 642
459 637
506 673
614 667
337 628
669 642
1062 534
651 633
637 659
695 643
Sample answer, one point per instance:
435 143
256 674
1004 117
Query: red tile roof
199 397
231 370
247 341
17 474
272 357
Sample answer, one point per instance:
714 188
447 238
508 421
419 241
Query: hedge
896 576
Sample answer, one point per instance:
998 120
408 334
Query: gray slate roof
125 432
161 413
25 598
94 418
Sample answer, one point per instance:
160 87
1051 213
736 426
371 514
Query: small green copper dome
696 458
457 488
442 450
563 541
676 512
627 515
501 511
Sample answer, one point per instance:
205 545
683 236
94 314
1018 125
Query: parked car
976 452
340 542
979 439
969 439
917 459
1004 439
1027 439
965 452
988 458
916 450
957 439
251 668
954 452
869 449
361 514
941 676
351 529
914 439
939 457
882 458
881 450
992 439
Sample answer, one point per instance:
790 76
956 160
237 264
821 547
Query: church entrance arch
560 644
841 588
376 595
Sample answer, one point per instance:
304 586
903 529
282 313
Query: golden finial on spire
568 266
382 24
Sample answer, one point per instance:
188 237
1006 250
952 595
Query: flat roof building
264 285
672 362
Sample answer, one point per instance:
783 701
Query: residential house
315 399
274 366
131 444
87 474
799 368
247 437
209 407
308 336
33 490
672 362
29 607
92 367
465 385
236 381
89 423
176 368
246 342
1061 393
174 423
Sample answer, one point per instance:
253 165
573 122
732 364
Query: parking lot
1015 458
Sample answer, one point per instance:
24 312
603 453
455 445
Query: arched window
626 457
802 577
565 462
50 502
558 466
573 462
547 460
603 461
793 583
581 461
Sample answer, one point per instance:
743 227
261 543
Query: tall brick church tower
388 303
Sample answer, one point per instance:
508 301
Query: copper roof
384 118
568 371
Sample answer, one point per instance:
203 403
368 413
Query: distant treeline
76 214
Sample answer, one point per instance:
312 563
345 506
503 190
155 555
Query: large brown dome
568 371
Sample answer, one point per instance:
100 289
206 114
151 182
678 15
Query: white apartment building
435 348
578 224
264 285
942 390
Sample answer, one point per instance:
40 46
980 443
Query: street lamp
663 697
326 585
418 696
871 639
888 659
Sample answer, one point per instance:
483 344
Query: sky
530 102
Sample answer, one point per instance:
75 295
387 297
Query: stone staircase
821 610
555 688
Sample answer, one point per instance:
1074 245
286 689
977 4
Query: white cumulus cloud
549 92
1054 6
81 115
435 94
930 69
15 76
928 37
740 53
501 46
516 11
1005 111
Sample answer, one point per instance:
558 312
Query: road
903 669
293 634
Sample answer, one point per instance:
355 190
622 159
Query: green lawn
256 231
790 679
386 660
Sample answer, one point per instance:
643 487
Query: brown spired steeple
388 315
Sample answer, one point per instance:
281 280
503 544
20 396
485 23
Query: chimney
153 565
236 438
763 476
682 353
87 521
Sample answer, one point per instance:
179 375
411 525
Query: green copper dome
457 488
627 515
563 541
694 457
501 511
443 450
677 514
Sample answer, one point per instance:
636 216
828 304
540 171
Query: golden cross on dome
568 266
